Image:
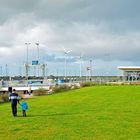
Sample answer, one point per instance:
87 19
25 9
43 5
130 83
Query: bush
75 86
4 98
40 92
60 88
20 94
86 84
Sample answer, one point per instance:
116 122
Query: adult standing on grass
9 90
14 98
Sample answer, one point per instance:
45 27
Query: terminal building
130 73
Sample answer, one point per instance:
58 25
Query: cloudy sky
106 31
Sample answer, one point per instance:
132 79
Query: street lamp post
1 70
37 44
6 70
90 69
27 44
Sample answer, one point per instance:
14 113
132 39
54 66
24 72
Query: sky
104 31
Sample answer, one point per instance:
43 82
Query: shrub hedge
4 98
60 88
40 92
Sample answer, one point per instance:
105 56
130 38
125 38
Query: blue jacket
24 105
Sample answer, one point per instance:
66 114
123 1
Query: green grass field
93 113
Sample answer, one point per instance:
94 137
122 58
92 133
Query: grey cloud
79 10
105 30
120 16
94 40
12 8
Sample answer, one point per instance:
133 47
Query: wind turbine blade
69 51
64 49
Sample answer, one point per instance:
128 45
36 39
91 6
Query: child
24 106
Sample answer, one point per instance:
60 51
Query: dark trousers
24 112
14 109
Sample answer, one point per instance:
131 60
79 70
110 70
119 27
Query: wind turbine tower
66 52
81 56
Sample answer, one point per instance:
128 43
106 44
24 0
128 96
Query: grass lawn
93 113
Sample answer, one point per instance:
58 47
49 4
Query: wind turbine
80 58
66 52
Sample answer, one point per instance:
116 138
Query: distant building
130 73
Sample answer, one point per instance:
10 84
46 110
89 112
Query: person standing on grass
24 106
9 90
29 91
14 99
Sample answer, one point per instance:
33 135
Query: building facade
130 73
